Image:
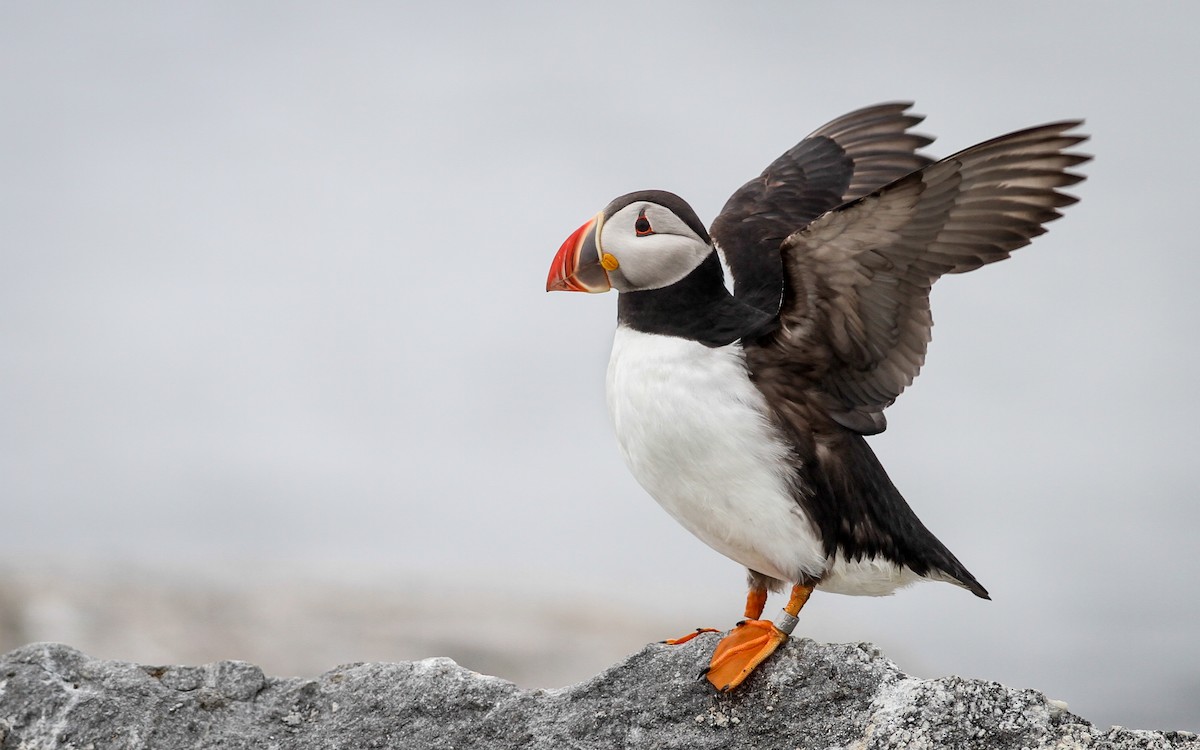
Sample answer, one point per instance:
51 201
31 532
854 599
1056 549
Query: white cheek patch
658 261
655 260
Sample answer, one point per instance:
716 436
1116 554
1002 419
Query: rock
810 695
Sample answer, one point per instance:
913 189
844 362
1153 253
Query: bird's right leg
756 600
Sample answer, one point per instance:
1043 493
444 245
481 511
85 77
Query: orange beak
577 267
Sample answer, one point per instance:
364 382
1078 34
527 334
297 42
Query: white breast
693 430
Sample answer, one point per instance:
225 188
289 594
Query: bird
752 359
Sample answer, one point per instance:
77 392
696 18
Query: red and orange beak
577 266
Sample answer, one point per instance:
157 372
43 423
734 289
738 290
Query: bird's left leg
753 640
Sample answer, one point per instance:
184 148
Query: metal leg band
786 622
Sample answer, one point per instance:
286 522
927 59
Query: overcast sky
271 292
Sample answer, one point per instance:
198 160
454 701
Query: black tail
862 514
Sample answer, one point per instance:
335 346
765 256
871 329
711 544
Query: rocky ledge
810 695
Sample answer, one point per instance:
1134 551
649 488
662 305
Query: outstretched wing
846 159
855 318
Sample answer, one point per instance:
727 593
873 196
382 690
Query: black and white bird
744 414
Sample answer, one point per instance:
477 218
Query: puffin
752 359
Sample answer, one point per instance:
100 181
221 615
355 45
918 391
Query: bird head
644 240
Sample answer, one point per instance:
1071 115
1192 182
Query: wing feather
856 305
839 162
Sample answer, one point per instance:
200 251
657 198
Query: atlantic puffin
744 413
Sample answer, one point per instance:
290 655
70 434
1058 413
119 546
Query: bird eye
642 226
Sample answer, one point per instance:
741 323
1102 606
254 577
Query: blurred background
279 380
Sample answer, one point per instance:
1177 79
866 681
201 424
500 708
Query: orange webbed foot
737 655
689 636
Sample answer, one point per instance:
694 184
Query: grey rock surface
809 695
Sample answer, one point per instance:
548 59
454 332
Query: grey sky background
271 294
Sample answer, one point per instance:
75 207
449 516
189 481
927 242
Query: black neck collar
697 307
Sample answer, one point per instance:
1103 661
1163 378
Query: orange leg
756 600
753 640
